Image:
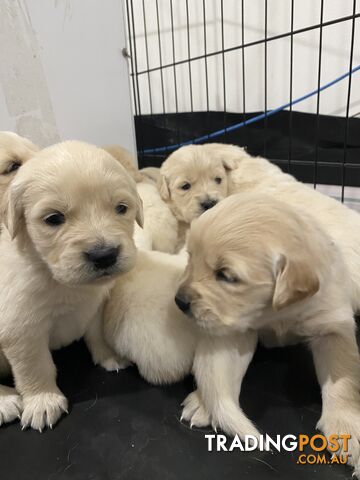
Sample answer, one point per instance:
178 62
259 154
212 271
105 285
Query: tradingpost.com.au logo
319 444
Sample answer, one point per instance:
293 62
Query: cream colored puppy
142 322
194 179
14 151
261 267
70 217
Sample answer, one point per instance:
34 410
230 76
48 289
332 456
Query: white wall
62 74
335 61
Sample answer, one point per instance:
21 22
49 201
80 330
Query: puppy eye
12 167
121 209
55 219
223 275
185 186
218 180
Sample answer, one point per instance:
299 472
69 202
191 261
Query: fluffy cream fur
142 322
160 231
150 174
259 266
126 159
339 221
14 151
50 292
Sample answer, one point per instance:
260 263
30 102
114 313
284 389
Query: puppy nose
182 304
102 257
209 203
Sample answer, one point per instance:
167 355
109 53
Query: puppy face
75 206
248 256
194 178
14 151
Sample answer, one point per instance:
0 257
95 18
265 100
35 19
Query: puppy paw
10 404
43 410
194 411
227 416
114 363
103 355
343 422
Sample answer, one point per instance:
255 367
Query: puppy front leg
219 367
35 380
101 352
337 364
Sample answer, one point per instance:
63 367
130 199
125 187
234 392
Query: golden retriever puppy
126 159
261 267
193 179
14 151
69 216
142 322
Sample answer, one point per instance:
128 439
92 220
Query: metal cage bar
265 73
254 43
318 95
291 83
343 170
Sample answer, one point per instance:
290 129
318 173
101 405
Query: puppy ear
139 212
232 157
163 187
13 211
295 281
230 162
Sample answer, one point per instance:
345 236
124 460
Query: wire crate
279 77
